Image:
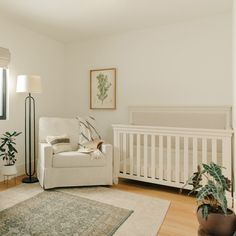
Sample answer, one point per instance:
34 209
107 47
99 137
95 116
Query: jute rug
146 220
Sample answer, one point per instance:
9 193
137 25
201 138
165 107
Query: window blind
5 57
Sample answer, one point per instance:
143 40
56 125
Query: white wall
32 53
188 63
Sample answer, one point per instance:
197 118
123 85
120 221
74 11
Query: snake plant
210 195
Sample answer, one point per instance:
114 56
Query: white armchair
70 168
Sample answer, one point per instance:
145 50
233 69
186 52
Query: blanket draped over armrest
93 148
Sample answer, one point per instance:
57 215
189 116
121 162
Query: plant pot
9 170
216 224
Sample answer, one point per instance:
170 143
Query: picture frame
103 88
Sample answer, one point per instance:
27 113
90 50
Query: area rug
58 213
146 220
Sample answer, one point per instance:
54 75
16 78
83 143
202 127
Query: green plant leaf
204 192
194 180
17 134
215 171
7 147
204 211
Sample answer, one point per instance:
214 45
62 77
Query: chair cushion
58 126
75 159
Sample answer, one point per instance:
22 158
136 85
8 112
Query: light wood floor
180 219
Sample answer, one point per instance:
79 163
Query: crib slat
204 156
168 155
186 162
177 177
124 153
160 157
226 162
153 161
214 150
195 156
138 155
145 156
131 153
226 156
204 150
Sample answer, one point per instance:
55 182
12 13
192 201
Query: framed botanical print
103 89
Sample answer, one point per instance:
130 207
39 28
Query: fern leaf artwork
103 87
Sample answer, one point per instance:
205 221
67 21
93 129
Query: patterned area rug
60 213
146 220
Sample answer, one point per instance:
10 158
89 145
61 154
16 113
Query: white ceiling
71 20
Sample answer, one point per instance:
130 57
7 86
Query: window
3 93
5 57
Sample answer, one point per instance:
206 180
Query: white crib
169 155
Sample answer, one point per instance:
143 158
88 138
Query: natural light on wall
4 63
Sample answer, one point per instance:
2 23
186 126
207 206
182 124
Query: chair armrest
107 150
45 155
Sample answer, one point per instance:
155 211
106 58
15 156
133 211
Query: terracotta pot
217 224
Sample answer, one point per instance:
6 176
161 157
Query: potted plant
8 152
214 217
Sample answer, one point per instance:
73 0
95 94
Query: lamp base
29 180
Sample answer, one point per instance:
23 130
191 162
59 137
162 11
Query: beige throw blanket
93 148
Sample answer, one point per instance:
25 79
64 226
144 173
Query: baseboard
20 170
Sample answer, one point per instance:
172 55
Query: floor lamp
29 84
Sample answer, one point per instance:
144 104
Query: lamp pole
30 149
29 84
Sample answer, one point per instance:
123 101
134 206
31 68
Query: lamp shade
28 84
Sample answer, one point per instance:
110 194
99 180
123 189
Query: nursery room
117 117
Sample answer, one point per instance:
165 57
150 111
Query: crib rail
166 155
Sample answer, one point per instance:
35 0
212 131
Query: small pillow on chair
60 143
